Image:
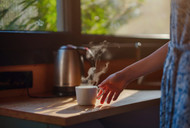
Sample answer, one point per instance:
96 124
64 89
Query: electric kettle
69 68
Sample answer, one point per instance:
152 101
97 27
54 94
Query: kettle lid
68 47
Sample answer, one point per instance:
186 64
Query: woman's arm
115 83
147 65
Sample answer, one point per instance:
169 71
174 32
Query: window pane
29 15
125 17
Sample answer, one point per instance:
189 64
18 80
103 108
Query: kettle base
64 91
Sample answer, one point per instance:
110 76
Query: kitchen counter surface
64 111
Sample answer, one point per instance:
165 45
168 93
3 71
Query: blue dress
175 97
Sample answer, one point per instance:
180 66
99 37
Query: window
125 17
99 17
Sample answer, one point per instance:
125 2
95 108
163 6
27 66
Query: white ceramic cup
87 94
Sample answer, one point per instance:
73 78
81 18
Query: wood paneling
43 77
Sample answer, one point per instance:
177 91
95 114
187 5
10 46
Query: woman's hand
112 86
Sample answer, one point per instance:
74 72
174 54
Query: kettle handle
82 52
86 49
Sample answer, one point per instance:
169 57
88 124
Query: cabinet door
9 122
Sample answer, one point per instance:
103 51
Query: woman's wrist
125 75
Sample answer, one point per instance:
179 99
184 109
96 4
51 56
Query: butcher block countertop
65 111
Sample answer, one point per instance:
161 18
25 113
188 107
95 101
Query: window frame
23 47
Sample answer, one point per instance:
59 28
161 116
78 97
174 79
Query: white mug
87 94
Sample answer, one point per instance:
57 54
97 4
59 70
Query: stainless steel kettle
69 69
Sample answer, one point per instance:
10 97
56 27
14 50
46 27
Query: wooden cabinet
143 118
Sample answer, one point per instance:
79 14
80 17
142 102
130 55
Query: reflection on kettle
69 69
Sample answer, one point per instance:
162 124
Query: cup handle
102 92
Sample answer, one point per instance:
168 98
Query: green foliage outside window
36 15
98 16
106 16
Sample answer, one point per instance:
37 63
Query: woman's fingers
109 93
101 91
110 97
104 96
99 94
116 95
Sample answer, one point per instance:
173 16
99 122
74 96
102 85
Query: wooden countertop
64 111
